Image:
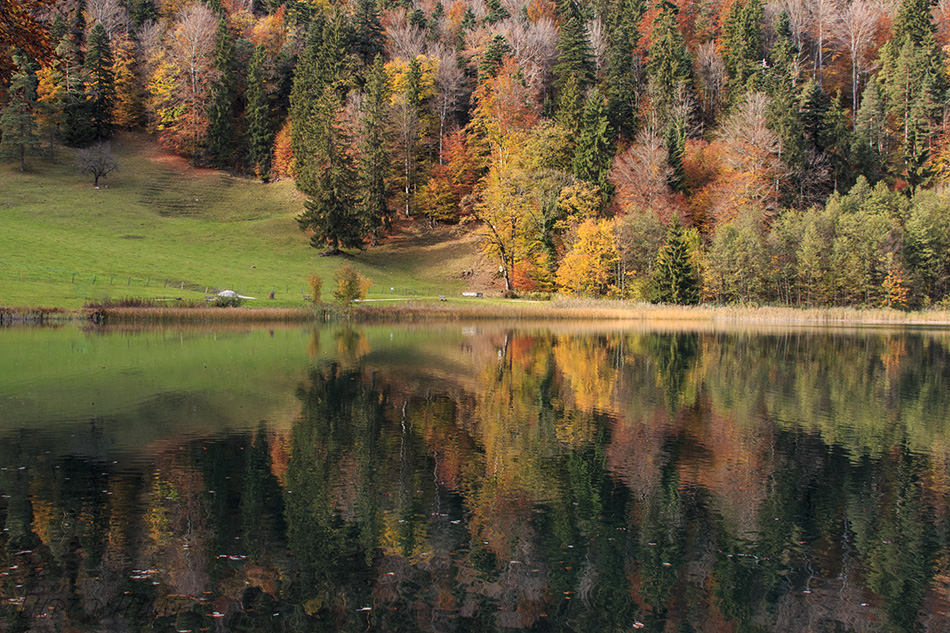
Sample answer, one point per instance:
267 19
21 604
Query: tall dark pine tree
624 71
575 54
77 127
493 57
18 118
260 131
742 33
869 146
593 151
101 84
320 65
331 209
368 38
675 279
220 139
375 159
669 64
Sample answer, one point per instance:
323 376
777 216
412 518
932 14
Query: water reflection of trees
686 481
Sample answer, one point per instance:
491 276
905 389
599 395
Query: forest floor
160 229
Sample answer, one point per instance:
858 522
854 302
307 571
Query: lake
476 476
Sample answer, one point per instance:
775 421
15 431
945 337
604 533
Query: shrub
350 285
316 286
227 302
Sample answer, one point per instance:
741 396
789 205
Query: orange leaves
504 108
20 28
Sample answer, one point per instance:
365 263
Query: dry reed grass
183 314
557 309
593 309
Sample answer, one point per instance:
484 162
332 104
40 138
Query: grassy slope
160 219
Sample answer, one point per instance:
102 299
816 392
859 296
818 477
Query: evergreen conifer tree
493 57
260 131
220 140
570 106
18 118
375 158
320 66
675 150
669 64
101 84
623 72
575 54
77 127
675 279
368 38
331 208
593 151
742 34
496 12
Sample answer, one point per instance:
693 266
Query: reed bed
135 311
594 309
202 314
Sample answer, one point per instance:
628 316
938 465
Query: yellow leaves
162 87
581 200
397 71
588 266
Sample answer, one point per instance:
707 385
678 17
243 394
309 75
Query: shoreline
414 310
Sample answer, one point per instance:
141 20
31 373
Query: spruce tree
18 118
331 208
593 151
321 65
101 84
570 106
623 73
260 131
669 64
141 12
493 57
368 38
575 55
675 151
77 127
870 132
742 34
675 279
220 139
375 157
496 12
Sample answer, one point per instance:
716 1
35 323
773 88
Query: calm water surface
474 477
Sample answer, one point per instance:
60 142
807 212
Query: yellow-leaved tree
588 266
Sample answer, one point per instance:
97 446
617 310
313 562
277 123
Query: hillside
160 224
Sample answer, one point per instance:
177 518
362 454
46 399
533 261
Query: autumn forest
790 152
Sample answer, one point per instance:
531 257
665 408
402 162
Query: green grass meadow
160 229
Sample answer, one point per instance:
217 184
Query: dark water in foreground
474 478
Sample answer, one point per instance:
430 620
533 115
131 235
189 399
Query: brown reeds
598 309
187 314
138 311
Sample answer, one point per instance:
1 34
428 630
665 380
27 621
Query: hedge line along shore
557 309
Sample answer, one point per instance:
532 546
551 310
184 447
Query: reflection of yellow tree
586 363
351 346
512 416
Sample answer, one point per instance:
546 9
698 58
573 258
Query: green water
474 477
